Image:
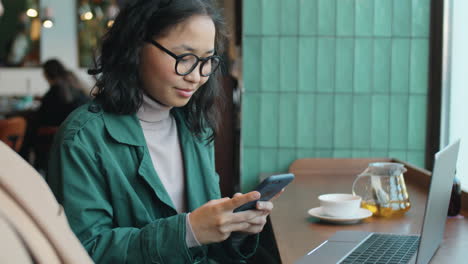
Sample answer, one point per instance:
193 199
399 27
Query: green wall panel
289 14
307 59
252 19
270 11
344 67
401 18
326 16
383 10
270 69
364 17
363 65
308 18
326 64
345 18
252 49
269 112
333 78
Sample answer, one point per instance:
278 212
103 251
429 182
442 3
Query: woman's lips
185 92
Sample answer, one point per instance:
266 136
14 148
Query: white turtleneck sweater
160 131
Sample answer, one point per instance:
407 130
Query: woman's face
157 69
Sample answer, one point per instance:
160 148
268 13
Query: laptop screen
438 200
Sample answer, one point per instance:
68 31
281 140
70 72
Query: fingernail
260 205
257 195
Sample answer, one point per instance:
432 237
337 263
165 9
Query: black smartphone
268 188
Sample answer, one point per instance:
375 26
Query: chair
30 211
12 132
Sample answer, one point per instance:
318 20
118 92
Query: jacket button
94 108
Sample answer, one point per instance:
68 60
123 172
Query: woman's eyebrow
190 49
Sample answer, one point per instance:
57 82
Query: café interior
317 88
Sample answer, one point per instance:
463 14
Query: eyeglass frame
179 57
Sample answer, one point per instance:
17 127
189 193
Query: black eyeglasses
187 62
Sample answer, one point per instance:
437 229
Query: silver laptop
366 247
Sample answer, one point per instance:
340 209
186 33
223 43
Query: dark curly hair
118 85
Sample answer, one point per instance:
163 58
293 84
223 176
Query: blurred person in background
64 95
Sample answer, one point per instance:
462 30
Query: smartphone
268 188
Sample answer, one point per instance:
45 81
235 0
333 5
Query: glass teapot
382 188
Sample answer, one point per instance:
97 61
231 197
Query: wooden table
297 233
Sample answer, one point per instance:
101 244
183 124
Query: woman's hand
257 223
215 220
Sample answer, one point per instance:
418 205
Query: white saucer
362 213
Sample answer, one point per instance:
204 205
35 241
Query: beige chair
33 226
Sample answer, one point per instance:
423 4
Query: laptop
367 247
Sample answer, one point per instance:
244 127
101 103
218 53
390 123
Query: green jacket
100 170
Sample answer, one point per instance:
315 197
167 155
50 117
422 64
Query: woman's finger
266 206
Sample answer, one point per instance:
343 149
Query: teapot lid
386 168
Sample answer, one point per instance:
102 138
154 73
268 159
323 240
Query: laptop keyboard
384 249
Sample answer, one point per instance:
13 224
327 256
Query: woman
134 169
65 94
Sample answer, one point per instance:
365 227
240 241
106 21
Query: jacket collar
125 129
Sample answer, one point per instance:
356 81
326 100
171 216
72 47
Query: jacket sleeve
76 178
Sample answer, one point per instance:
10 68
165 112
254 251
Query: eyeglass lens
187 63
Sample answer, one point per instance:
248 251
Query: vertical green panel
289 17
307 63
326 59
401 18
345 17
398 122
382 64
417 122
270 67
270 16
287 120
252 18
416 158
305 153
250 129
383 17
252 58
288 63
361 153
421 17
345 153
380 127
286 156
400 65
343 127
251 168
324 121
361 121
308 17
363 65
365 17
306 121
326 17
268 160
269 112
344 64
419 66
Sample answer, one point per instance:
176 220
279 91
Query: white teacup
339 204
